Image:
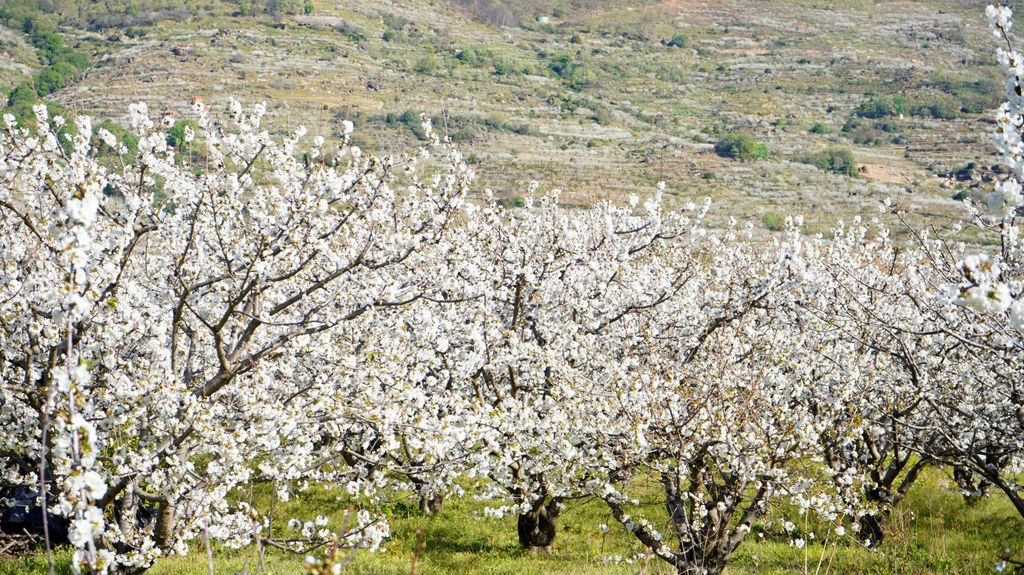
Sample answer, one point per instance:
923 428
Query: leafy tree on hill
836 160
680 40
741 146
883 107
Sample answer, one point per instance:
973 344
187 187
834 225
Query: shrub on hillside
741 146
680 40
936 105
882 107
866 133
54 78
774 221
177 134
835 160
570 71
21 99
973 96
426 65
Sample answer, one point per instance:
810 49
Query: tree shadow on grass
449 538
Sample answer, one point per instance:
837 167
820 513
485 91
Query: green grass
933 532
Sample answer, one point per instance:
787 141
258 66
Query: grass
934 531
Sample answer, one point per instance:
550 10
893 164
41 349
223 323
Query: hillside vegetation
598 98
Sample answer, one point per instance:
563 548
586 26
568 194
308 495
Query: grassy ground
933 533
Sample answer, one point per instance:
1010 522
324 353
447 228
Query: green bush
394 21
426 64
835 160
741 147
603 115
882 107
49 43
496 121
64 65
936 105
279 7
888 126
476 57
974 96
55 78
680 40
409 118
575 76
819 128
22 98
773 221
862 132
563 66
502 68
176 135
130 140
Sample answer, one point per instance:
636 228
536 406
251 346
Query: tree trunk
537 527
164 531
431 504
972 487
126 512
699 569
872 527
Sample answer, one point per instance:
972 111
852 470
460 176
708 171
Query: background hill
598 98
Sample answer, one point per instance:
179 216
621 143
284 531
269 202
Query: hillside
598 98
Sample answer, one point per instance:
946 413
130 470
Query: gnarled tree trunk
431 504
163 533
697 569
537 527
872 527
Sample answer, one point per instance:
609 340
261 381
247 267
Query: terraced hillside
600 99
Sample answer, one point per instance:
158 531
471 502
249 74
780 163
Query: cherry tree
871 387
528 351
970 316
714 387
159 319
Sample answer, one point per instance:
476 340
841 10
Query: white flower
138 117
107 138
1016 316
83 210
986 298
86 528
999 17
41 113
